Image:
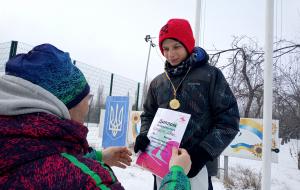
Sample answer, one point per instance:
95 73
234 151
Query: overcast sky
109 34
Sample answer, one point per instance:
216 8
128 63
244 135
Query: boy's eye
178 46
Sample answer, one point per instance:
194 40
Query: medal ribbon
175 89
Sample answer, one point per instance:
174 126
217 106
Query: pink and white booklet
166 131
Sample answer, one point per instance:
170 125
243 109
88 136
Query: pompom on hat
180 30
53 70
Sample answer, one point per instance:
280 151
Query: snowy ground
285 175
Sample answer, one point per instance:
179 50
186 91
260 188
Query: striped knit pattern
53 70
33 149
175 180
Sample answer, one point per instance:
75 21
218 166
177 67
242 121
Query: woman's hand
117 156
180 157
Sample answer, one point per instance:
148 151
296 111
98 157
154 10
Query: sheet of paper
166 131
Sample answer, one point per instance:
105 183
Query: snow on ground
134 177
285 175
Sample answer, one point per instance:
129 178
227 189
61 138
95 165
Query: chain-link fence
102 83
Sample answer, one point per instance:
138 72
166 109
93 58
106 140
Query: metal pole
225 168
146 73
111 84
267 109
218 174
198 21
13 49
137 97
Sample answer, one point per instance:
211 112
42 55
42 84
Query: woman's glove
141 143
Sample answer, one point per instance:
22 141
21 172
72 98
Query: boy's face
79 112
174 51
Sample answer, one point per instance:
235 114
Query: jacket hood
197 58
19 96
28 137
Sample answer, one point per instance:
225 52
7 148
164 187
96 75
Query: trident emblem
115 120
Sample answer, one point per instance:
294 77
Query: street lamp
148 38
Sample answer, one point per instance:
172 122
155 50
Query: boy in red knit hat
189 84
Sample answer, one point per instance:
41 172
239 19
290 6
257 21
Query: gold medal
174 104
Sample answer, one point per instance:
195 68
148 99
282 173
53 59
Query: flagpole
268 94
198 22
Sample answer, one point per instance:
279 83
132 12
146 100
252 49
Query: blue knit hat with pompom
53 70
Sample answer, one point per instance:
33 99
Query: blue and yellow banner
248 143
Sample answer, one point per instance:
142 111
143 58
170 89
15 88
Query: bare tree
288 103
244 70
288 91
244 73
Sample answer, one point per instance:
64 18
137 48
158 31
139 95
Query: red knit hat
178 29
